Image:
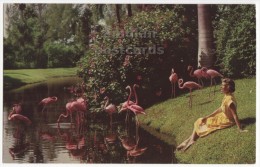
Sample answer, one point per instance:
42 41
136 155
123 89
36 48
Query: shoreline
14 79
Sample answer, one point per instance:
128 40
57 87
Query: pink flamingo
199 73
212 74
124 105
79 105
189 85
69 110
173 79
110 109
136 109
47 101
19 117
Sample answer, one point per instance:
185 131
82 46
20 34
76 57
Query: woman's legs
188 142
183 144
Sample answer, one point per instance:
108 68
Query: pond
45 141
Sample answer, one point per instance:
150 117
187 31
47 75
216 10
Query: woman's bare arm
233 110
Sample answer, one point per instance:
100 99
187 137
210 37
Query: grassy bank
174 118
17 78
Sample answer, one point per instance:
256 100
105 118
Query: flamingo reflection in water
99 148
74 142
19 148
47 136
20 145
131 146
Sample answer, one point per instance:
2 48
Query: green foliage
55 36
235 33
141 50
23 46
62 55
67 40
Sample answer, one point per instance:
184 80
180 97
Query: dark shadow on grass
10 83
206 102
248 121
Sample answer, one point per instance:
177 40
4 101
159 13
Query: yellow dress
221 120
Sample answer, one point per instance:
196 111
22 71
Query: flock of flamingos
79 106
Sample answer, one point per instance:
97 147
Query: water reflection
92 141
20 145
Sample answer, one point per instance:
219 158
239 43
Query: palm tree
205 50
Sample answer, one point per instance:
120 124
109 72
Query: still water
94 142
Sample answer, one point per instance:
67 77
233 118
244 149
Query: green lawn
175 119
17 78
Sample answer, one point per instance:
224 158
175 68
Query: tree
129 10
118 13
24 34
205 40
64 44
235 34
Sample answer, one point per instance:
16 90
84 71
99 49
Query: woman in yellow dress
225 116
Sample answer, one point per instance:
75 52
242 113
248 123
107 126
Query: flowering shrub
141 50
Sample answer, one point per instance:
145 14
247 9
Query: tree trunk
205 50
118 13
129 10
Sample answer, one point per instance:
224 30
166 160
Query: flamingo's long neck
67 112
136 98
180 82
130 94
